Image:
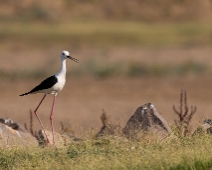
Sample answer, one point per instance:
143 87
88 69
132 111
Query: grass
103 69
114 153
107 34
148 11
99 68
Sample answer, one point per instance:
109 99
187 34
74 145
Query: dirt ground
81 102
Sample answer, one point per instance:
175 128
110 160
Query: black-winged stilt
52 85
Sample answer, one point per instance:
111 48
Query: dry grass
146 10
114 153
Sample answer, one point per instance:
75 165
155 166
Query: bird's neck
62 71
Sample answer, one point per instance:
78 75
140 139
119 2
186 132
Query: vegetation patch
107 34
181 153
100 68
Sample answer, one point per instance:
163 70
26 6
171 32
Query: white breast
59 85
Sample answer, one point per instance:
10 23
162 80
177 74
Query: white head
65 54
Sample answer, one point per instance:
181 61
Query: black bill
74 59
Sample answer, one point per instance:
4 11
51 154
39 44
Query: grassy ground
107 34
114 153
135 10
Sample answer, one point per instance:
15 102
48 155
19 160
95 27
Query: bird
52 85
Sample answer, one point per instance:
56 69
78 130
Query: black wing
47 83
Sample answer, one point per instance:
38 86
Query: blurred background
130 52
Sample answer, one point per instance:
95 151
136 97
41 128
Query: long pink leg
51 117
39 118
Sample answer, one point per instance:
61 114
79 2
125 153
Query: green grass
107 34
102 69
114 153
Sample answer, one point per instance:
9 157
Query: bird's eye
63 53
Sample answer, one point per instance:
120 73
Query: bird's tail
25 94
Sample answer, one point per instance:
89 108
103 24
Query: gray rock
146 120
206 128
16 126
11 137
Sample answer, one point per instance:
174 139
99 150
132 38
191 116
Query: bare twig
31 123
185 117
62 126
31 130
104 118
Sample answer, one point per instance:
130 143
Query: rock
10 137
16 126
145 121
60 139
206 127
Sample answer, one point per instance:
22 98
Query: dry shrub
183 123
108 128
31 128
